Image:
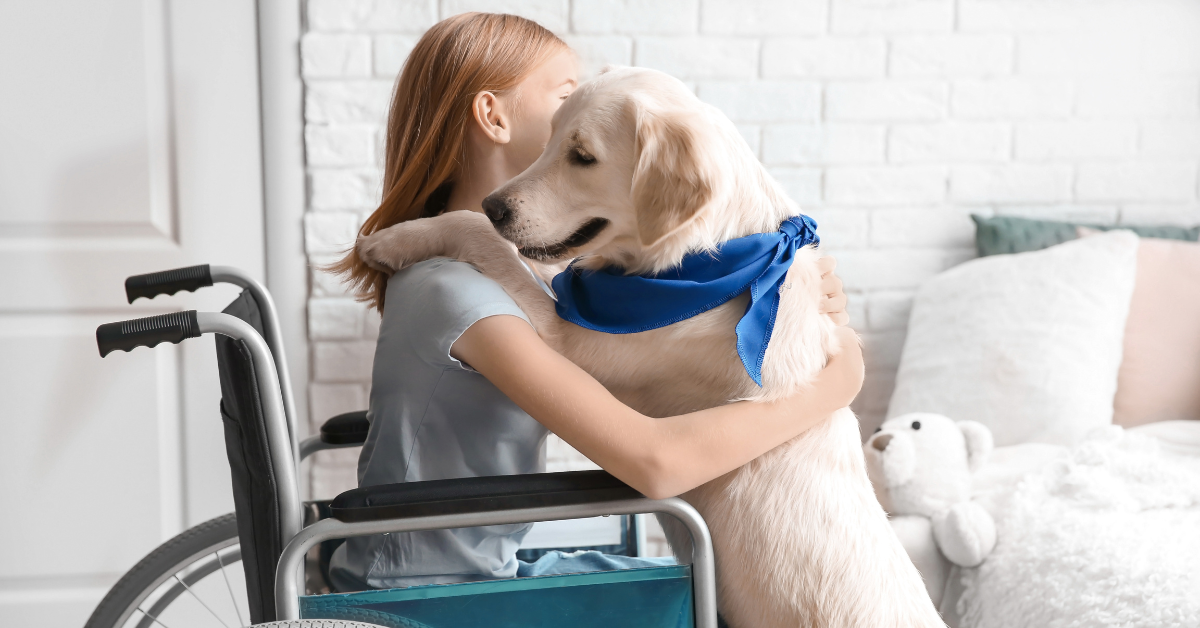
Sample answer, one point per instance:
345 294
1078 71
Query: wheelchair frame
278 410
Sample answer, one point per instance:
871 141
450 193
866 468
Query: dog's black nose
496 208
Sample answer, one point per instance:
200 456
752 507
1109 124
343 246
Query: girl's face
537 98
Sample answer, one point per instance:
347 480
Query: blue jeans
557 563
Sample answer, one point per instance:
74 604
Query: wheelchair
275 536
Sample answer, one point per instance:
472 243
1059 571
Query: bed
1055 350
1141 572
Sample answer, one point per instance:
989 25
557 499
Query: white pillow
1027 344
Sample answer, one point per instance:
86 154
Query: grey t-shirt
433 418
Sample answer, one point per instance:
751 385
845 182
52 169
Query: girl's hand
833 302
842 378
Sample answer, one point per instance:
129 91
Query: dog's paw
370 251
398 246
402 245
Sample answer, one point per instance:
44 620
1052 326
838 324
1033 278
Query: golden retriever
638 173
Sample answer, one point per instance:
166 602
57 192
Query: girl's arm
658 457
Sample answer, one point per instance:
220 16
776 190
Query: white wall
889 121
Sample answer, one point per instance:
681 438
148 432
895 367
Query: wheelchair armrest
349 428
480 494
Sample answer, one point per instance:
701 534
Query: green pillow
1009 234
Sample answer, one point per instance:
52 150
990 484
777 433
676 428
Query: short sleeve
430 304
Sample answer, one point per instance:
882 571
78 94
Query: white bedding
1110 535
1028 344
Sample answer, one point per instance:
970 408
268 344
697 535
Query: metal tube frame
313 444
279 443
274 337
288 586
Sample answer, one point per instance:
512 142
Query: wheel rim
209 565
180 582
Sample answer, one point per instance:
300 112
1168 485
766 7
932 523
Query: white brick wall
890 121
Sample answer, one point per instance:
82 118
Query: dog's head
633 157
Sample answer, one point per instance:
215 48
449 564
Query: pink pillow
1159 378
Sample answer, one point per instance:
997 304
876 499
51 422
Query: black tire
317 623
117 607
355 617
167 559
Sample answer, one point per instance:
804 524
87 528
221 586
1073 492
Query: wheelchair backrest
255 491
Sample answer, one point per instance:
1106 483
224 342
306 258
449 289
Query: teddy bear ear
979 443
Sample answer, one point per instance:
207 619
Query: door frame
284 191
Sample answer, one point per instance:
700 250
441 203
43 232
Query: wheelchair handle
150 285
147 332
192 278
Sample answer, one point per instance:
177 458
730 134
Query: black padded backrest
255 492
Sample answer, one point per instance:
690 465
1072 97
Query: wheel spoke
197 597
152 588
152 618
229 587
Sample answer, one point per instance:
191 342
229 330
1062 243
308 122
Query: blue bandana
609 301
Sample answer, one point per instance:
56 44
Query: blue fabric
658 597
557 563
609 301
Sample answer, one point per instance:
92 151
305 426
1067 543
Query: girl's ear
491 117
672 178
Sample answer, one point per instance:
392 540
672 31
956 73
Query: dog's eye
580 158
878 430
916 425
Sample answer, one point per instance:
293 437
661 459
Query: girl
462 384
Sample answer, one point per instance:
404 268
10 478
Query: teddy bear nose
881 441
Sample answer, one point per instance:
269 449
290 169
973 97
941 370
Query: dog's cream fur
799 536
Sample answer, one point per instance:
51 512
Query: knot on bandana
610 301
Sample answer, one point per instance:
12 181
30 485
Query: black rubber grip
479 494
349 428
171 281
147 332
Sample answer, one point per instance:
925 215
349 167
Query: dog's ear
673 178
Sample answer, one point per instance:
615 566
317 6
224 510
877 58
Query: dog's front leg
468 237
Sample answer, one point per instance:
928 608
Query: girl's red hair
431 107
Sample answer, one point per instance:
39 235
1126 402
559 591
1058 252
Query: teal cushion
649 597
1009 234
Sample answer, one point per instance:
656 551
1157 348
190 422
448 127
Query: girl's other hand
833 301
842 378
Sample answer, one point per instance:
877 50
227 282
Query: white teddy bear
921 466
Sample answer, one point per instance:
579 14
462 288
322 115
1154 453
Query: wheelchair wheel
194 579
317 623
